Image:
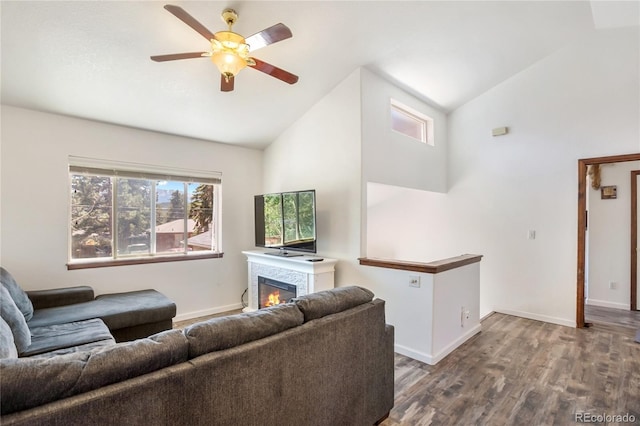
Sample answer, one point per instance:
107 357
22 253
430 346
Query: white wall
321 151
390 157
610 239
34 216
410 224
582 101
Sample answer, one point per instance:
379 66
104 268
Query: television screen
286 221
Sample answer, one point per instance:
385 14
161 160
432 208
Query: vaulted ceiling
90 59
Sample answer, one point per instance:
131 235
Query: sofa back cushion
323 303
14 318
18 295
30 382
123 361
234 330
7 345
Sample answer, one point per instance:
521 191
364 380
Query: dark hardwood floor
623 318
521 372
186 323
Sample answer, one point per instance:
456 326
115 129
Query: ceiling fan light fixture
230 53
228 63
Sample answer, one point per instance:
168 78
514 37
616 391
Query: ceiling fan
230 51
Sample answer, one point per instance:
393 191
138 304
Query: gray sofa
322 359
58 321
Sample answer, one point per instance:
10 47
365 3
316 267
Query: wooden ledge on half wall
426 267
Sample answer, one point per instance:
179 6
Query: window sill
140 261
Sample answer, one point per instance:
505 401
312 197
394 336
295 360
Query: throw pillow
14 318
7 345
19 296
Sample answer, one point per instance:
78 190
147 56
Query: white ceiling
90 59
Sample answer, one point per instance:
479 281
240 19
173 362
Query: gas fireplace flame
273 299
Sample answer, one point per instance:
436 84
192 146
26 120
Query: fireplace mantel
308 276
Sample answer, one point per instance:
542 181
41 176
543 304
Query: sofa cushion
18 295
59 336
118 310
7 345
234 330
131 359
31 382
323 303
14 318
75 349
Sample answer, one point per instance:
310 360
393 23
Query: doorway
582 225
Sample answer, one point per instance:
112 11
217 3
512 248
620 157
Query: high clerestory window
411 123
122 213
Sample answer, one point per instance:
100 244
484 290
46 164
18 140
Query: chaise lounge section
129 316
58 321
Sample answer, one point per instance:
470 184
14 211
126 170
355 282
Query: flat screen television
286 221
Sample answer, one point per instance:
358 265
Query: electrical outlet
613 285
414 281
465 314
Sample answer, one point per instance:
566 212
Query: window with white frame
411 122
123 211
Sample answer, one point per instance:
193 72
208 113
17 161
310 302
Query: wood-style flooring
186 323
522 372
601 315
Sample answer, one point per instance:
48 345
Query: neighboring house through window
129 213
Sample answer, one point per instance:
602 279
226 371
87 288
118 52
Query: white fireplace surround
307 276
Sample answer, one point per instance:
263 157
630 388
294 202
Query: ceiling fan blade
226 86
176 56
182 15
268 36
274 71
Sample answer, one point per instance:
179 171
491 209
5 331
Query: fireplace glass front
272 292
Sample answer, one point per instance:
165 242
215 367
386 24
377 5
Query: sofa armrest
42 299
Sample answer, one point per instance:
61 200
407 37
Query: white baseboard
205 312
607 304
431 359
413 354
487 316
454 345
538 317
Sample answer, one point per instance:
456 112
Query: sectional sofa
62 320
322 359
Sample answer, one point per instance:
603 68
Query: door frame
634 239
582 222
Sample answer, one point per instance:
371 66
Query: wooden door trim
634 239
582 222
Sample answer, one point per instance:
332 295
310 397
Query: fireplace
272 292
307 277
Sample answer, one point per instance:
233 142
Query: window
124 213
411 123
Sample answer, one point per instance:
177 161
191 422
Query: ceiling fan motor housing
229 16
